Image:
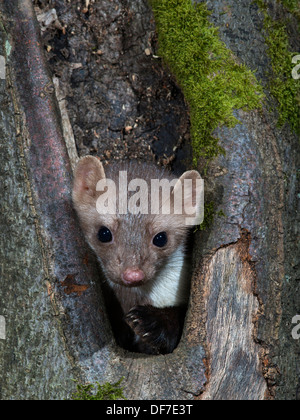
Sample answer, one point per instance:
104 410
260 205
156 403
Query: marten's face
131 246
131 249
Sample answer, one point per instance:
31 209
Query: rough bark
259 186
237 342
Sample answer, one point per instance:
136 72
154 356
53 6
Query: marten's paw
145 323
158 329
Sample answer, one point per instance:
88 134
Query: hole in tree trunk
122 103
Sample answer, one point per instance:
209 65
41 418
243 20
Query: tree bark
259 190
237 342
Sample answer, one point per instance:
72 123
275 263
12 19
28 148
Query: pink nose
133 276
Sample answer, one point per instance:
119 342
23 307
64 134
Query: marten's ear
188 196
88 173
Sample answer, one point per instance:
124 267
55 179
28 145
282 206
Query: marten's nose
133 276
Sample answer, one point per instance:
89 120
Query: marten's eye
160 240
105 235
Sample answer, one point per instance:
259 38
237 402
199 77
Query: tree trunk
237 341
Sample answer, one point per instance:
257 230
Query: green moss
98 392
292 6
213 82
282 86
209 215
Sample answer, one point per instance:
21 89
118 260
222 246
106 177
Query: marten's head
134 216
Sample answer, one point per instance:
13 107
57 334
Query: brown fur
132 245
133 234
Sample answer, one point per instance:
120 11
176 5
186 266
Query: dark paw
157 329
